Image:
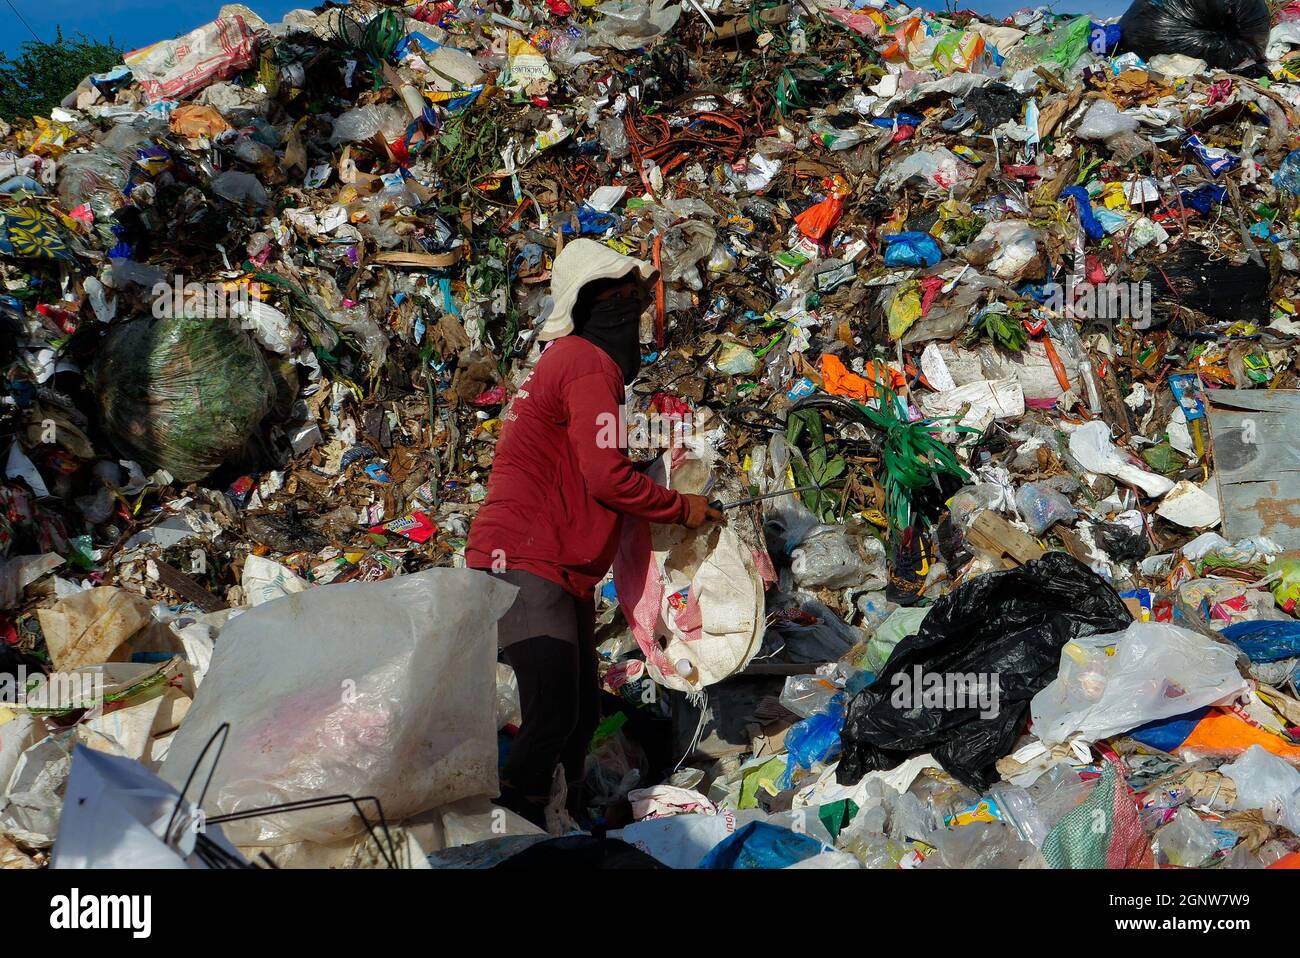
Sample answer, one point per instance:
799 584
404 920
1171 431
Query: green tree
42 74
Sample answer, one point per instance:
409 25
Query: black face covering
615 326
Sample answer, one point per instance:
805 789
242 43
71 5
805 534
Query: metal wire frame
215 856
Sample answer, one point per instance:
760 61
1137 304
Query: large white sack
362 688
692 598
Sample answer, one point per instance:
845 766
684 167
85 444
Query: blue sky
1000 8
132 23
136 23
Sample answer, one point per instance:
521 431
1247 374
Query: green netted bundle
183 394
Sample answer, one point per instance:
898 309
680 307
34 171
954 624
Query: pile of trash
1007 309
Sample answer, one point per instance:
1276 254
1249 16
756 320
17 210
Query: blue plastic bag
590 222
911 249
1264 640
815 739
1103 38
1087 218
1287 176
761 845
901 119
1204 197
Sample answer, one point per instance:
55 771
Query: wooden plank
781 668
188 589
418 260
992 534
741 25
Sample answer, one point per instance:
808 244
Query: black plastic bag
1004 628
1223 33
583 852
1122 543
1190 279
995 104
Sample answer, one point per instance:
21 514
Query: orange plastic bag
1223 733
909 33
819 219
192 119
838 380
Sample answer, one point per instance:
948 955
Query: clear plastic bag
1186 841
84 175
940 169
613 137
721 261
831 557
1104 120
627 24
736 359
874 850
875 608
508 708
684 246
362 123
1042 507
969 501
1059 791
786 520
1008 248
396 700
270 327
613 769
1021 812
1267 782
1127 146
806 695
1156 671
978 845
1287 176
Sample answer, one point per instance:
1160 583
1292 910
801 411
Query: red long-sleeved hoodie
559 488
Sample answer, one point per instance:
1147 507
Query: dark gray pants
549 638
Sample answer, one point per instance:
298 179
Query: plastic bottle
687 670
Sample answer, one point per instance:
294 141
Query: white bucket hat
583 261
